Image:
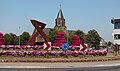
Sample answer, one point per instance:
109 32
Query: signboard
47 46
65 46
82 47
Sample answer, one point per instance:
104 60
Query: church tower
60 21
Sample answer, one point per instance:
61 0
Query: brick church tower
60 21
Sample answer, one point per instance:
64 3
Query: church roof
60 14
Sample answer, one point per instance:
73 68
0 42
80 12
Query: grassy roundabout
61 59
37 54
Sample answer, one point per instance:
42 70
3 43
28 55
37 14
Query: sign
65 46
47 46
82 47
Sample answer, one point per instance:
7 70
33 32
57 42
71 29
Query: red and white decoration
47 46
83 47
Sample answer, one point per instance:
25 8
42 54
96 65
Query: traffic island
65 60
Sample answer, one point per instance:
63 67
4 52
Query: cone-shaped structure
60 14
60 21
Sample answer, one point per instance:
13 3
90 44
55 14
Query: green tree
8 39
109 43
52 35
24 37
16 40
14 36
88 39
81 35
70 39
94 38
116 47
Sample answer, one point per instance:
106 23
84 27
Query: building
116 31
60 21
59 25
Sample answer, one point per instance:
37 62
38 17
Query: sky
79 14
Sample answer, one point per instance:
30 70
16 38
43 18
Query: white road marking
23 67
107 65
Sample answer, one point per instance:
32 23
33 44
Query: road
114 68
75 66
59 64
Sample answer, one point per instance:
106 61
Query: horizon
86 15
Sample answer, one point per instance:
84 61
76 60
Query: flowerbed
38 51
51 53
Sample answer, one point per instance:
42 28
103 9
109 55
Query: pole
67 33
19 37
67 36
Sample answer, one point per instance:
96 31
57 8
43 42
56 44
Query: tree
52 35
116 49
12 39
70 39
9 38
16 40
88 40
94 38
109 43
81 35
13 35
24 37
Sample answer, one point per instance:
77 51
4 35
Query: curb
54 61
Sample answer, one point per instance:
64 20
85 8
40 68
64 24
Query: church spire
60 21
60 14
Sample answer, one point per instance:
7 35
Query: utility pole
67 33
19 36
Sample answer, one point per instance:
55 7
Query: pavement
115 68
59 65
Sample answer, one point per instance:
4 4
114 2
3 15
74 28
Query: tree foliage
52 35
16 40
93 38
109 44
12 39
24 37
8 39
81 35
70 39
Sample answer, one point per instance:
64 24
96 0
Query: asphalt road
59 65
77 66
114 68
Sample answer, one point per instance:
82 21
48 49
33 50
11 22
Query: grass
59 58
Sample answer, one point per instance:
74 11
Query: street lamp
67 33
19 37
67 37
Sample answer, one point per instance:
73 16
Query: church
60 21
59 25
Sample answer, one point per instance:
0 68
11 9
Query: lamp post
67 36
19 37
67 33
